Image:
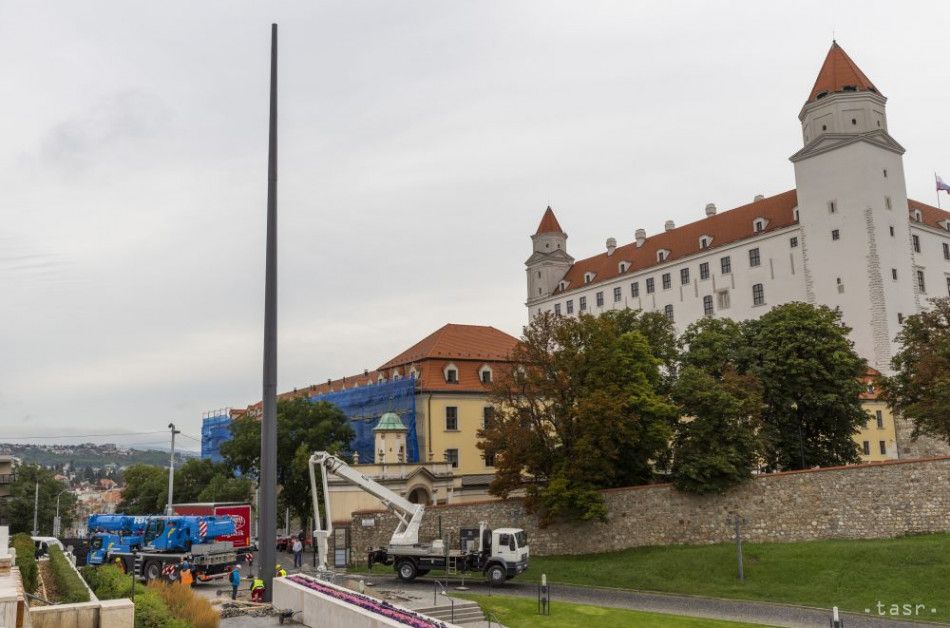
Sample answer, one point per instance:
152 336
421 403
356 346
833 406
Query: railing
7 478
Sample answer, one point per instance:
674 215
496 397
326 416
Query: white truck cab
508 555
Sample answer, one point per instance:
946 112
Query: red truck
239 512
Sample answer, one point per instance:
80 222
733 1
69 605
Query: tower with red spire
549 260
852 207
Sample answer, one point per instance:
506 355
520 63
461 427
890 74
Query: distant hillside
89 455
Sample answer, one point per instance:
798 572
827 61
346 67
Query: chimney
641 236
710 209
611 245
669 225
758 197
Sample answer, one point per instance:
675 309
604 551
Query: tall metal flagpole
267 508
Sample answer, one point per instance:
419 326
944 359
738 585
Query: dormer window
381 378
759 225
485 374
622 267
562 286
395 374
451 374
916 215
704 241
945 224
662 255
413 372
588 277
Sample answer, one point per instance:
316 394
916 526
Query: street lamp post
36 510
171 472
801 436
56 523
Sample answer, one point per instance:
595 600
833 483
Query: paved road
714 608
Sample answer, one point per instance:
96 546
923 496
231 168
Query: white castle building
847 237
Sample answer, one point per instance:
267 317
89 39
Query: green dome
389 421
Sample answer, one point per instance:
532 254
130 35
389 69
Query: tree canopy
197 480
579 412
17 510
920 386
303 427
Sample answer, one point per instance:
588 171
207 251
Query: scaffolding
215 429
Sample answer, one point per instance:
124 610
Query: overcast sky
420 143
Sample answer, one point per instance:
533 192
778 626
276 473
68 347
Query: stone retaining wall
874 500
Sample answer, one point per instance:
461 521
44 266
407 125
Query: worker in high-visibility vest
257 590
279 572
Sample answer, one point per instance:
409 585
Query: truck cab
506 555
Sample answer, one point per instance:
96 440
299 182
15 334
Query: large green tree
718 439
303 427
810 376
18 509
146 490
579 412
197 480
920 386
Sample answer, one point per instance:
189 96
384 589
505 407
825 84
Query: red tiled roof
839 72
724 228
549 223
460 342
929 215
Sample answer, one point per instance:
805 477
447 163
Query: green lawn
853 575
516 612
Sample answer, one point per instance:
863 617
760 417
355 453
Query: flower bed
380 607
69 586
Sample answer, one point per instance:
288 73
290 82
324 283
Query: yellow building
877 440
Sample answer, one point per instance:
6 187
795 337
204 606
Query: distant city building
7 477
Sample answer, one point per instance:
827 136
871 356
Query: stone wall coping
639 487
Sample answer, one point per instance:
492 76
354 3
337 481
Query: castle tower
852 208
390 436
549 260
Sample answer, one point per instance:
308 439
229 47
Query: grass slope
853 575
517 612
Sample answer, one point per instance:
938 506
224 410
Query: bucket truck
148 544
498 554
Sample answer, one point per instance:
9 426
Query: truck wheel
406 570
153 570
496 575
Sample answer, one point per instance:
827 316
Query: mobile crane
499 554
146 545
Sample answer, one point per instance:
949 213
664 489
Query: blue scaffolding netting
214 430
362 405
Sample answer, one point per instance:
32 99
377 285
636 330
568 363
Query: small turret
390 439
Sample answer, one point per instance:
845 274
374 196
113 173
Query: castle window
948 285
661 255
894 274
885 170
835 234
451 374
916 240
684 276
618 294
726 265
557 309
707 305
759 226
946 250
916 215
758 294
920 281
562 285
380 378
880 419
704 270
866 448
451 419
623 266
887 202
452 457
883 447
650 285
854 121
704 242
488 413
722 300
582 303
900 318
485 373
754 259
635 289
793 242
832 207
570 306
588 277
668 311
667 281
539 274
892 230
824 127
600 299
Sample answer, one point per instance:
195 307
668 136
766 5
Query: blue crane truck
146 545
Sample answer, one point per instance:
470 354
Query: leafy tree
660 334
18 508
146 490
579 412
303 427
717 442
810 384
920 387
